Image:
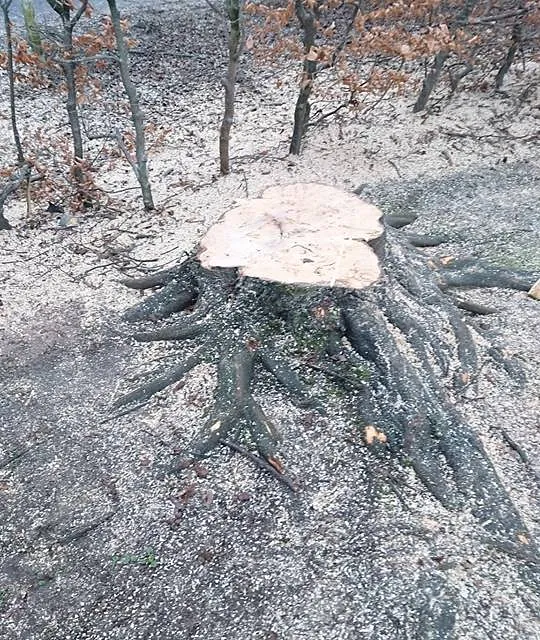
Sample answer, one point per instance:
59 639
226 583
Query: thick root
467 272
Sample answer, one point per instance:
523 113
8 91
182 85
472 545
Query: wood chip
534 291
372 434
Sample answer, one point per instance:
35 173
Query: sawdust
227 554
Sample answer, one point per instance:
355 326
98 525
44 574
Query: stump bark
399 347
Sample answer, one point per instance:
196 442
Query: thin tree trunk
306 17
433 76
136 114
11 78
431 81
69 67
13 183
229 82
517 34
71 100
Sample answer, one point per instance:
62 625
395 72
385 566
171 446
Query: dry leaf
313 54
405 50
523 538
278 466
447 259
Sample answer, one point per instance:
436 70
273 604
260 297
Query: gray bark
69 67
5 6
234 14
353 345
306 17
517 35
14 182
433 76
141 169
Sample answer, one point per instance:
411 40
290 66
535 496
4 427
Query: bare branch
220 12
79 13
500 16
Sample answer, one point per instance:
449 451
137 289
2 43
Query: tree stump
309 277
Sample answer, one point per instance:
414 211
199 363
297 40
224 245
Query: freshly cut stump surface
307 234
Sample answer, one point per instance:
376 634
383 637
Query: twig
514 446
215 9
393 164
138 234
500 16
124 412
84 530
17 456
487 136
129 157
331 373
473 307
98 266
78 13
329 114
262 464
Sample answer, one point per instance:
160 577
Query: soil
97 539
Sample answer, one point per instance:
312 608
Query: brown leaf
278 466
313 54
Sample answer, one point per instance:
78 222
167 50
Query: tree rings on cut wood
307 234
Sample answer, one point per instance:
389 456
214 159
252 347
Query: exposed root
473 307
284 373
146 391
157 279
173 297
420 240
401 348
468 272
234 406
399 221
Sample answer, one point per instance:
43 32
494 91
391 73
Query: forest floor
97 540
